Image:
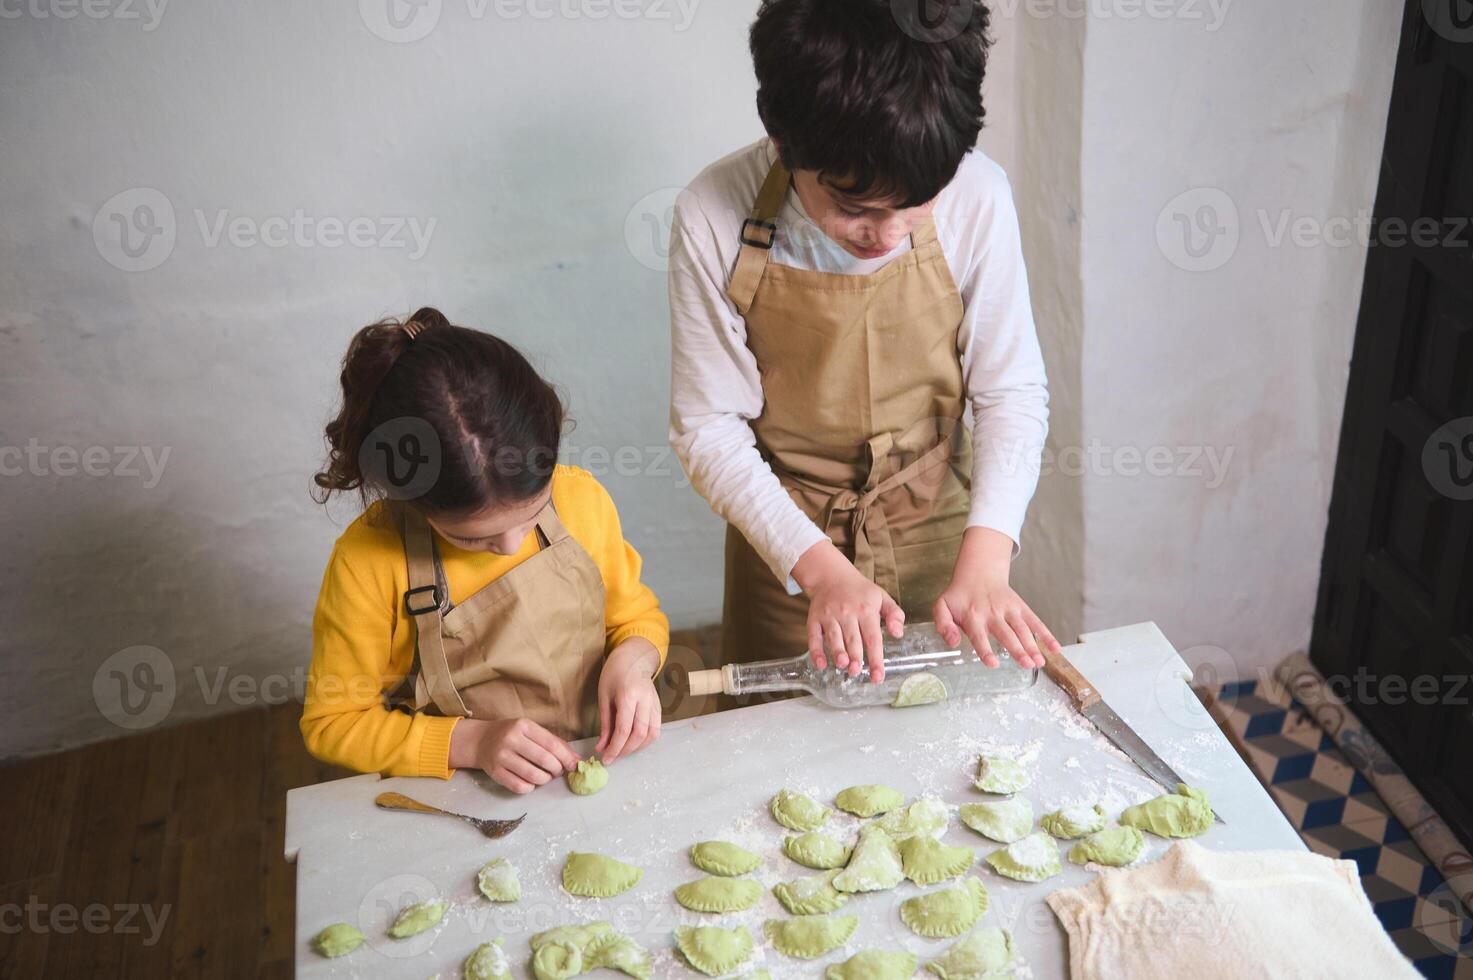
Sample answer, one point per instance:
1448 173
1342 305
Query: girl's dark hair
882 98
496 421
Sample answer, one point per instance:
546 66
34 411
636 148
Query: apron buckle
769 226
435 600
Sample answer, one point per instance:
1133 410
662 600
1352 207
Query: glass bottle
920 650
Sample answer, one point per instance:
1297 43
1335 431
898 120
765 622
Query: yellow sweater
363 642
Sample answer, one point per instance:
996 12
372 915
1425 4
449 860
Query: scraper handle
1064 674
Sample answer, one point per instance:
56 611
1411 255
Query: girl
485 609
847 299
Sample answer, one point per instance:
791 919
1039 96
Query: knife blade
1089 703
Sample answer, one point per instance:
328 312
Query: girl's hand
517 753
847 610
980 603
628 705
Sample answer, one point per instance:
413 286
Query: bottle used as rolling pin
920 668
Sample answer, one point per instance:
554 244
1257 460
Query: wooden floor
160 854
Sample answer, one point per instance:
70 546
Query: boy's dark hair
882 97
496 422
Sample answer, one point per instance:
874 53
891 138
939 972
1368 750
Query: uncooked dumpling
596 876
415 919
798 812
498 881
588 778
927 861
874 866
719 894
813 895
1114 846
717 857
1185 813
982 953
1073 822
618 952
713 950
999 774
924 816
920 688
946 913
814 850
488 962
1033 858
565 951
1002 820
810 936
873 964
337 940
869 801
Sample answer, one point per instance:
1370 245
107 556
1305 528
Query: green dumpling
924 816
498 881
588 778
1185 813
946 913
873 964
713 950
817 851
999 774
927 861
1001 820
1113 846
1033 858
337 940
919 688
719 894
717 857
874 866
596 876
1073 822
810 936
814 895
869 801
618 952
798 812
415 919
980 954
488 962
564 952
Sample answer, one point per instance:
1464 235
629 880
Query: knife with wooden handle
1087 702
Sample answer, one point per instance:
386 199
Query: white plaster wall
1280 110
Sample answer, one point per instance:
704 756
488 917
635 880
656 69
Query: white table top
710 778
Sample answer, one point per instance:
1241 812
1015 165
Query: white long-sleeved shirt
716 388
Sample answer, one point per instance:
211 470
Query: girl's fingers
562 752
526 771
623 723
542 759
1025 636
510 780
605 710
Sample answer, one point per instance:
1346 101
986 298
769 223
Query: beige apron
862 423
528 645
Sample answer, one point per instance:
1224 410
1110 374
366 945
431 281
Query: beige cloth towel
1200 915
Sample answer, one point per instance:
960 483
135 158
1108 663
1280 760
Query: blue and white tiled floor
1339 814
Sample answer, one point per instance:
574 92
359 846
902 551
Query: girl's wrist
465 743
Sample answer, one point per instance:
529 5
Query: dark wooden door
1394 620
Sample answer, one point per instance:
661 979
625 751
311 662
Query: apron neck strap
924 233
423 602
549 526
759 234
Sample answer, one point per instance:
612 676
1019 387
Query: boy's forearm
984 551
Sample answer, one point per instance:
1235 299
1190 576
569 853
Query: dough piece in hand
869 801
1185 813
719 894
810 936
873 964
563 952
337 940
1033 858
415 919
921 688
498 881
817 851
1073 822
1002 820
488 962
717 857
874 866
924 816
982 953
814 895
946 913
798 812
712 950
618 952
589 777
1114 846
999 774
596 876
927 861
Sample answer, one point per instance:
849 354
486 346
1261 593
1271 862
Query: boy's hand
628 705
980 603
517 753
847 610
